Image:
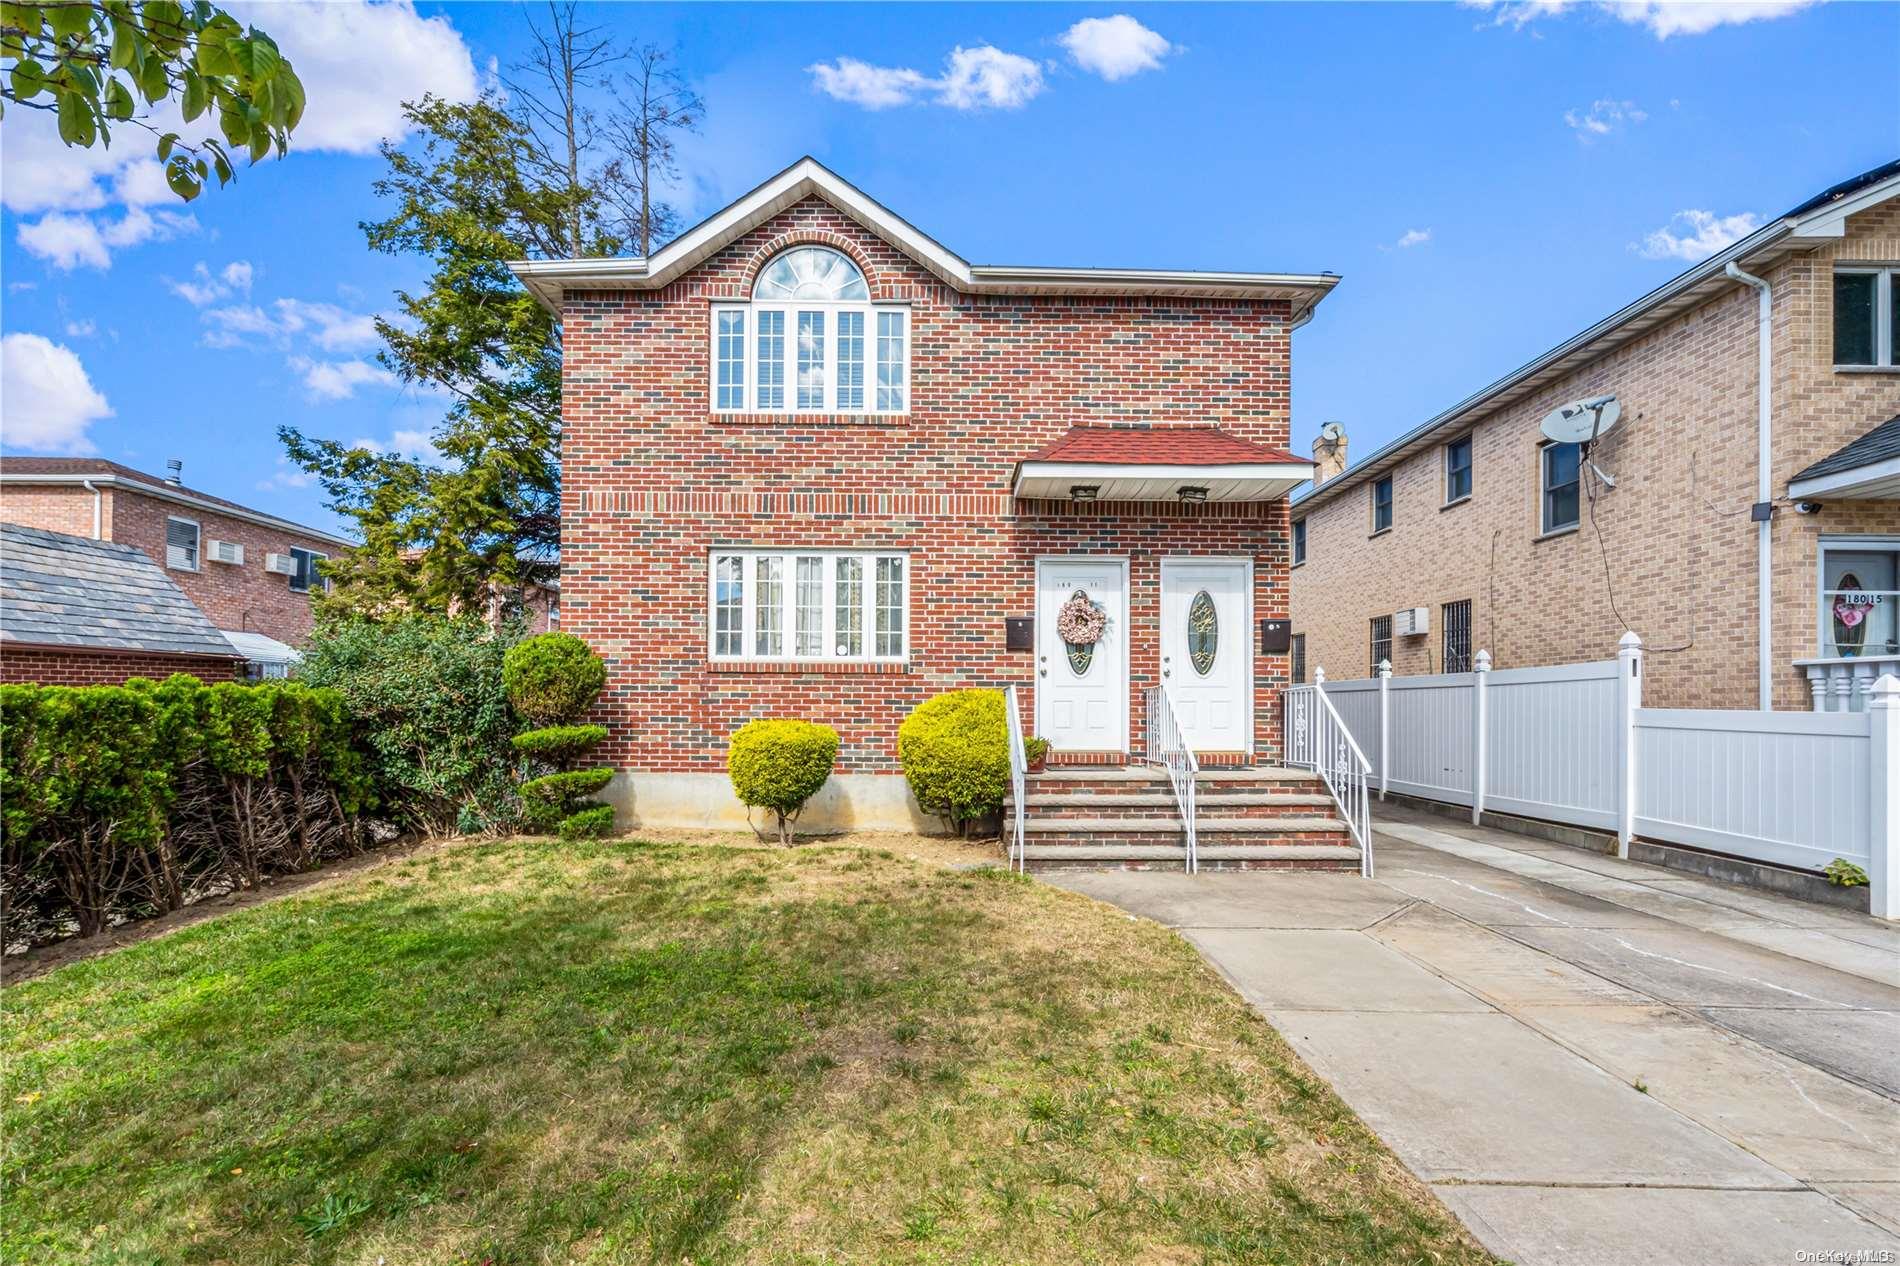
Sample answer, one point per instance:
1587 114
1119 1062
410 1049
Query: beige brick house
1722 495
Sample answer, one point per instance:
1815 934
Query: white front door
1207 651
1082 691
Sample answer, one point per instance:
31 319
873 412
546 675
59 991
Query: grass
529 1052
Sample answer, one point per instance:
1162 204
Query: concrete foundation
847 802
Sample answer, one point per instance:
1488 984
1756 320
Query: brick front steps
1247 818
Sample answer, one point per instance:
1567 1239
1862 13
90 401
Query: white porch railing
1168 748
1844 684
1018 771
1318 740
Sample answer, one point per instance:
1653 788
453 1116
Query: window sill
1554 533
848 668
1381 532
1867 369
1450 505
809 419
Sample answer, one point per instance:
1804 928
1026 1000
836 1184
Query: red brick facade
653 481
56 666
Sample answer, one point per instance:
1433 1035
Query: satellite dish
1581 421
1332 432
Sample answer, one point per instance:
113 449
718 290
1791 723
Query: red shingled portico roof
1158 446
1159 463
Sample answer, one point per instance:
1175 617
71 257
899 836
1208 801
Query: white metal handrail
1317 739
1018 770
1168 748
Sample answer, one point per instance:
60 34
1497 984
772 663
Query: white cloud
287 323
978 78
339 379
81 329
1116 47
1663 18
286 476
67 242
415 445
205 287
358 63
1693 235
50 401
1602 118
1414 237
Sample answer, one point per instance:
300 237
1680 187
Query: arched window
811 272
805 341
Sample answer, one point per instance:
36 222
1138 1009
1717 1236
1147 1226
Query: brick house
249 571
1729 567
815 465
81 612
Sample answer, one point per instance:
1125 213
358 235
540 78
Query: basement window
1866 318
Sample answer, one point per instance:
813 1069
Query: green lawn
527 1052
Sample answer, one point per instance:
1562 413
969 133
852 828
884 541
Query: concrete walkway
1590 1060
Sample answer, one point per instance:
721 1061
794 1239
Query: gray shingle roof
1878 445
60 590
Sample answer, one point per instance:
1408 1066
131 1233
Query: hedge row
126 801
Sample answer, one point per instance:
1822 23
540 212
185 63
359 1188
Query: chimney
1329 453
175 472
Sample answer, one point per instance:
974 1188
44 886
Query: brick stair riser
1045 864
1085 840
1223 786
1268 812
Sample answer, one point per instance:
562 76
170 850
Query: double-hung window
1299 541
838 605
1561 465
1867 318
181 544
810 341
1458 470
1381 504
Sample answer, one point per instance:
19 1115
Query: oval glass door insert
1203 632
1080 654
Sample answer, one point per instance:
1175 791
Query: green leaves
92 62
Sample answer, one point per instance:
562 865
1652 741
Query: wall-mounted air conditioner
280 564
225 552
1412 621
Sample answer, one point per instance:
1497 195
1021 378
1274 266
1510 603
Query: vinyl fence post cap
1629 641
1483 663
1886 692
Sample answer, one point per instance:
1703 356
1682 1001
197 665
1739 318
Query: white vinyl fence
1573 743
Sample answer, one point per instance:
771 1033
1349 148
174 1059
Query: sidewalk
1590 1060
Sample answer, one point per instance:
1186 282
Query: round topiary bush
955 753
553 678
779 765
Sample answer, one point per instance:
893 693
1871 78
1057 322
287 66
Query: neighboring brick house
813 463
1516 546
220 553
80 612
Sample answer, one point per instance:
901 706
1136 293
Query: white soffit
1136 481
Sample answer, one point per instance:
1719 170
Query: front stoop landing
1256 817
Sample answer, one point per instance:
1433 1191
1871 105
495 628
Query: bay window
811 605
812 328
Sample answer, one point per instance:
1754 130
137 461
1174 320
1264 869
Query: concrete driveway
1590 1060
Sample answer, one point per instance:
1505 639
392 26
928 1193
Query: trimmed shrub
779 765
118 802
954 750
552 678
560 742
431 716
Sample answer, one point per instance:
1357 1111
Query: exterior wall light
1192 495
1084 492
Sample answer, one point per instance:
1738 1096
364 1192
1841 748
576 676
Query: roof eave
176 496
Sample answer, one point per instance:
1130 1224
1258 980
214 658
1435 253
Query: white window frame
1886 276
1836 543
197 548
1297 542
748 397
1471 468
1391 485
316 556
788 601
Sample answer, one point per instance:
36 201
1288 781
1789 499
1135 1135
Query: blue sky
1487 180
